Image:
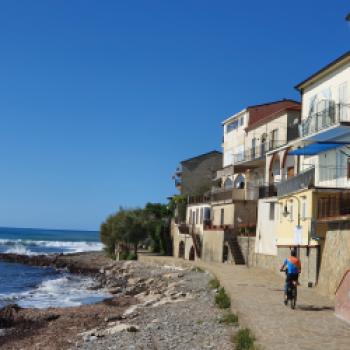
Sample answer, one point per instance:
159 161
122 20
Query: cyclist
293 270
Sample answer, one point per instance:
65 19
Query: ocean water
41 287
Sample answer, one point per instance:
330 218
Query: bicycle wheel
293 300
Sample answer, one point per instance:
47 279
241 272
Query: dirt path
256 296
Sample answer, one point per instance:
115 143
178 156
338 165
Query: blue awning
316 148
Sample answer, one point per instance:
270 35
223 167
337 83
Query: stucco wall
331 81
213 243
335 258
266 230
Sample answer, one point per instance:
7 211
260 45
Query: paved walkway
257 297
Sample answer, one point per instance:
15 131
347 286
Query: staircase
236 250
196 242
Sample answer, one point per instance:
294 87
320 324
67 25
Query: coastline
147 308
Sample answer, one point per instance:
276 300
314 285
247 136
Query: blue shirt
293 265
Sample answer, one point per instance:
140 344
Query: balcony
328 124
267 191
332 207
302 180
257 153
228 195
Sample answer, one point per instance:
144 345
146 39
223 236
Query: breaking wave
33 247
64 291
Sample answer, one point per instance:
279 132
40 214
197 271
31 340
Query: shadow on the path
314 308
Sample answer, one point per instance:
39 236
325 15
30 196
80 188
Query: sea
43 287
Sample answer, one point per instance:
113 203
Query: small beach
150 306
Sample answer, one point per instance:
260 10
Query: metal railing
327 117
302 180
258 151
333 206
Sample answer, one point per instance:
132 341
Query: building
195 175
314 170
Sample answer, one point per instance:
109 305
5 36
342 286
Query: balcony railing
257 152
228 194
334 206
327 117
304 179
267 191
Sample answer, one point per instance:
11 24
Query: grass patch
214 283
222 300
229 319
244 340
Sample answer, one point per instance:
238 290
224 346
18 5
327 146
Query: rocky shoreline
151 307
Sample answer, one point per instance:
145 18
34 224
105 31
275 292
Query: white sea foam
20 246
19 249
64 291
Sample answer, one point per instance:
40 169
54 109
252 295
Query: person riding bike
293 270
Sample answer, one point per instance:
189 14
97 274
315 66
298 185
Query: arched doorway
288 165
239 181
191 256
225 253
181 249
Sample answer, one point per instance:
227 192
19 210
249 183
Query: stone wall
268 262
335 258
247 245
213 245
309 263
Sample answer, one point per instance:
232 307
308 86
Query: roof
201 156
323 71
259 114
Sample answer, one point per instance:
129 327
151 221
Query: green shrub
214 283
222 300
229 319
124 255
244 339
132 256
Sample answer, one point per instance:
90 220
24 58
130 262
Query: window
222 216
193 217
190 217
274 138
303 208
232 126
197 215
272 211
348 168
241 121
201 220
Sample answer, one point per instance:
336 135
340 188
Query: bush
229 319
132 256
124 255
214 283
222 300
244 340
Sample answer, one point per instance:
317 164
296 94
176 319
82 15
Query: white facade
333 86
234 135
266 229
197 214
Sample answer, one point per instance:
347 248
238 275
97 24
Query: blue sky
99 100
